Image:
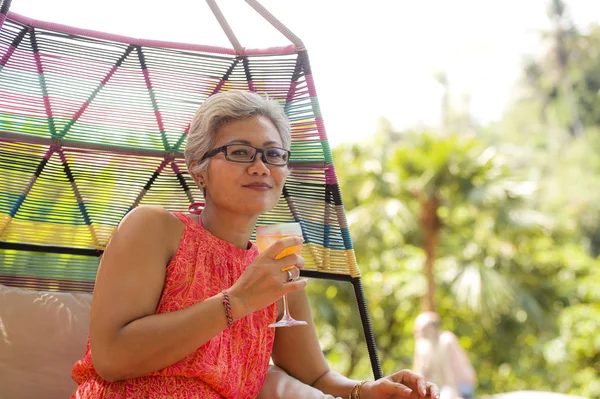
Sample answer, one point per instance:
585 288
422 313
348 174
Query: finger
289 277
289 261
412 380
291 272
282 244
293 286
394 388
433 390
295 273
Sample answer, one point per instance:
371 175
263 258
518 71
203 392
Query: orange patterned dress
233 364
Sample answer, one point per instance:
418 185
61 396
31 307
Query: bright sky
369 58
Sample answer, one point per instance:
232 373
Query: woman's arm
297 351
127 338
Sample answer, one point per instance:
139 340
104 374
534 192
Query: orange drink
268 235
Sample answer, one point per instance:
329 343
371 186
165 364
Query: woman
182 303
439 356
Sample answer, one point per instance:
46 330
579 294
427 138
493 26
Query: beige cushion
42 334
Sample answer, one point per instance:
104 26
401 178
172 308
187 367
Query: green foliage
566 79
515 276
516 265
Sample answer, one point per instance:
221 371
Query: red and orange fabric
233 364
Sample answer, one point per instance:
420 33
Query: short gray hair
225 107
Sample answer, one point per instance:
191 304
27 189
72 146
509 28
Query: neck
233 228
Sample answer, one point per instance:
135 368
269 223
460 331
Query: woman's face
427 331
246 188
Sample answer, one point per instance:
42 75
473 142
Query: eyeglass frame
263 157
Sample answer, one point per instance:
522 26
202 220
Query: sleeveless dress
232 364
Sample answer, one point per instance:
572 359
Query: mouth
258 186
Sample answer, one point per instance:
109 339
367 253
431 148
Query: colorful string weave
93 125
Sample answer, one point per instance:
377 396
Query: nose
258 166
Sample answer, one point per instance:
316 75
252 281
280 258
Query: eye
239 151
274 153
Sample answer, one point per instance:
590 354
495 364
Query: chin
261 203
258 208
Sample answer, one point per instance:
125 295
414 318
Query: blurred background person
441 359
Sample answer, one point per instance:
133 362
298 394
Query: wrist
239 307
227 308
359 391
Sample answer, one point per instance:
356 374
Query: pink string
290 49
196 208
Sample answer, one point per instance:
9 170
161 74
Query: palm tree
412 186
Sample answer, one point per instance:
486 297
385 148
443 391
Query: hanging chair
94 124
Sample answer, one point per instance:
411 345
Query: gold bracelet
352 391
355 392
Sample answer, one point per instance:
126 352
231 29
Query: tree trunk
430 226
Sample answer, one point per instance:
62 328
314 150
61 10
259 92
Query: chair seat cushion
42 334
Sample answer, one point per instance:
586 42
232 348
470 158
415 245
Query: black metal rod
366 323
325 276
50 249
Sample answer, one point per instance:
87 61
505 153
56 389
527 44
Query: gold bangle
352 392
358 387
355 392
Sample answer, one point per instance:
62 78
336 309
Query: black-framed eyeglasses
246 153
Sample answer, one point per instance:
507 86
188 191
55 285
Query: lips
258 186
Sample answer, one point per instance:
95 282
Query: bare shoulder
147 215
151 223
150 218
136 257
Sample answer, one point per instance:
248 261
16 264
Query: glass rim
277 229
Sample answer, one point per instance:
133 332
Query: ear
199 177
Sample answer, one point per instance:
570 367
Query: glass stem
286 311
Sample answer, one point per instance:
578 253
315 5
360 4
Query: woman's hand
403 384
264 282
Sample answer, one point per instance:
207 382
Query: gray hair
225 107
